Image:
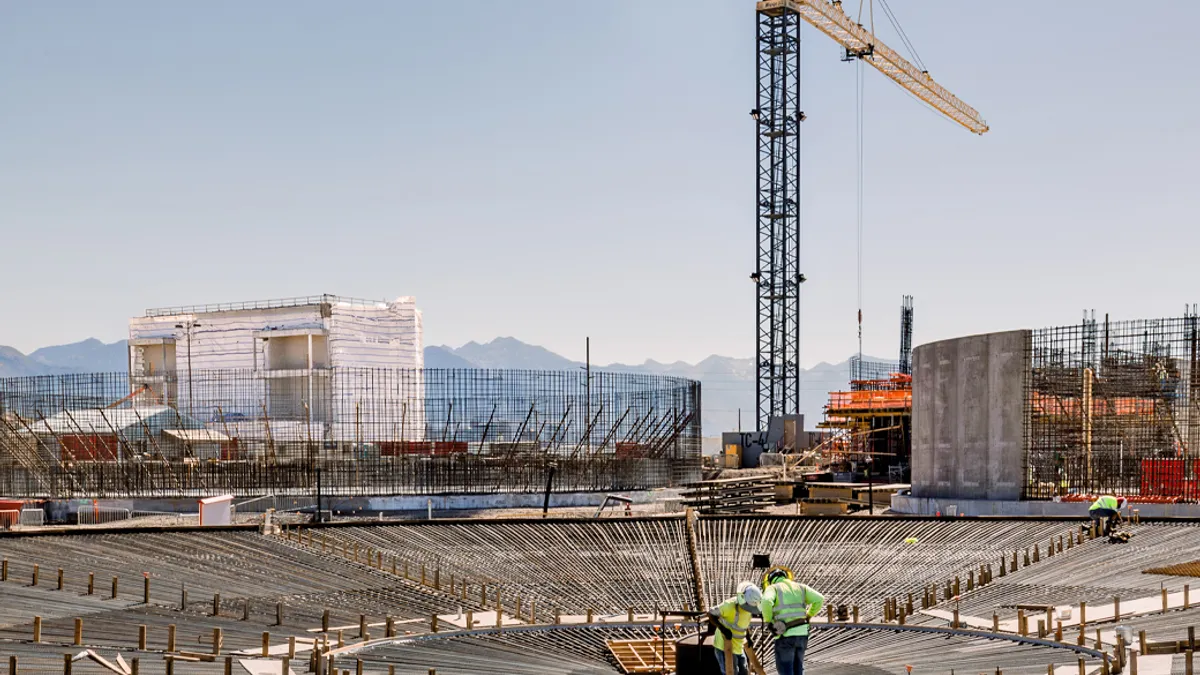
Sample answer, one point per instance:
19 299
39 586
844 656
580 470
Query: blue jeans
740 663
789 654
1106 517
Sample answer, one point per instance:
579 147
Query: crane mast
777 118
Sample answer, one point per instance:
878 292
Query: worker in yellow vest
787 605
730 620
1107 511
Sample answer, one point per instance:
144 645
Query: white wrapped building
317 369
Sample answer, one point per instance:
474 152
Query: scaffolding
357 431
875 418
1113 408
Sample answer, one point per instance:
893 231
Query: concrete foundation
61 510
969 418
928 506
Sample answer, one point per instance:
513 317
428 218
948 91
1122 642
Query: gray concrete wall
64 509
928 506
969 416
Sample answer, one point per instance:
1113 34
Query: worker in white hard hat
730 620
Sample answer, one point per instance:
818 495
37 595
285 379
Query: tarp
128 422
198 435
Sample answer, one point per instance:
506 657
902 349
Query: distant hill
90 355
727 383
444 357
507 352
15 364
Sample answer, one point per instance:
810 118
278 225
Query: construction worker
730 620
1106 510
786 608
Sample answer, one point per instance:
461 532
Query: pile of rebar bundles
730 496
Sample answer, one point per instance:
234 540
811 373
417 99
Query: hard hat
748 594
1121 502
775 574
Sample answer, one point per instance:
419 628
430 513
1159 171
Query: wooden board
643 656
823 508
1187 569
831 491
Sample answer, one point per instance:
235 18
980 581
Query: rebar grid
362 431
1113 407
1095 573
858 561
567 564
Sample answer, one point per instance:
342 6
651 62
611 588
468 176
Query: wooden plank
643 656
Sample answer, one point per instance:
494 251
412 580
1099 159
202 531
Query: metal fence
353 431
1114 407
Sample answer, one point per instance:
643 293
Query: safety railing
168 515
98 515
33 517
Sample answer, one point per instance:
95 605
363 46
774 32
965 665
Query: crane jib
829 18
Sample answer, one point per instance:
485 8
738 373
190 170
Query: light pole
587 391
189 325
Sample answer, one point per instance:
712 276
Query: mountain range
727 383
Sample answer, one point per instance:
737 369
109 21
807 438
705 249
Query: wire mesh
865 372
1113 408
363 431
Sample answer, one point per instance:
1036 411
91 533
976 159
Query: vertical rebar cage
777 276
1113 408
368 431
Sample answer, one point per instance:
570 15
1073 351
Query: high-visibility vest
735 620
788 601
1105 502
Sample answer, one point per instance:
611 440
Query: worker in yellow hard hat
730 620
787 606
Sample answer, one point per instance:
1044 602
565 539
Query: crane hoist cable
859 91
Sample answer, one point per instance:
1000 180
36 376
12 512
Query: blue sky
534 169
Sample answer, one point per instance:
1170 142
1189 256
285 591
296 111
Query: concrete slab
928 506
1156 665
302 645
264 667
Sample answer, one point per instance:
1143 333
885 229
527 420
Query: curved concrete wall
969 416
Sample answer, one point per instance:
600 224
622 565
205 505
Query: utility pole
188 326
319 518
587 356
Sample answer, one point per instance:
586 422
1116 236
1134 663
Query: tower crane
777 119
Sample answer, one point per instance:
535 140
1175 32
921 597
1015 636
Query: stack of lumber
730 495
